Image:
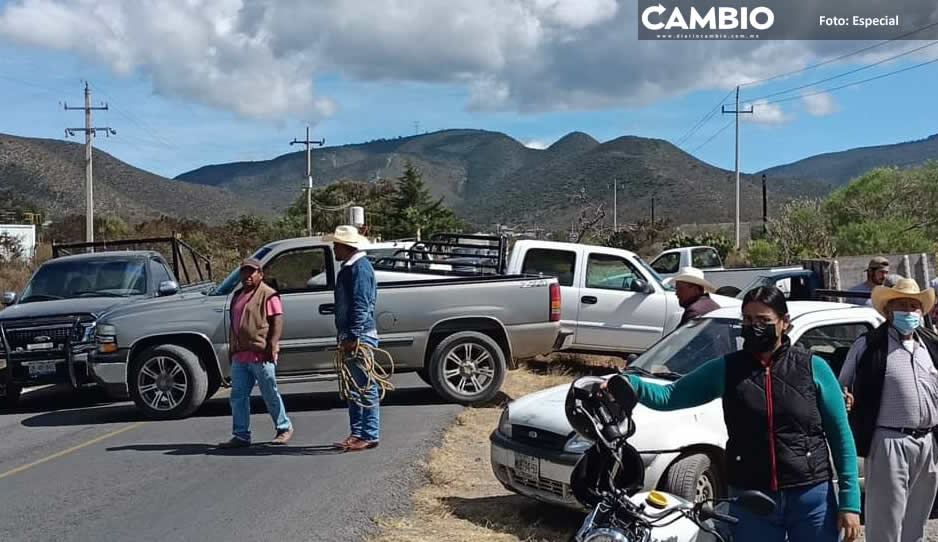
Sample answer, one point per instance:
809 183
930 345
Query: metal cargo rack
490 255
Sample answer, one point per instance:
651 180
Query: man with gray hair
890 382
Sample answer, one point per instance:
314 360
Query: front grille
554 487
538 437
20 338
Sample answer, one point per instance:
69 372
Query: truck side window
667 264
159 271
301 270
610 272
833 342
705 258
551 263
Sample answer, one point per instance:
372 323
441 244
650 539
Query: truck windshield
688 347
87 278
234 278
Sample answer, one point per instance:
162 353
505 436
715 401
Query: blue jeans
243 377
365 422
803 514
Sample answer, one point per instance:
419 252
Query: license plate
527 466
40 346
42 369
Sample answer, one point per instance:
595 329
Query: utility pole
736 112
615 207
89 131
309 178
416 127
652 211
765 208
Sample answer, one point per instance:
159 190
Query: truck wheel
9 393
467 367
167 382
693 477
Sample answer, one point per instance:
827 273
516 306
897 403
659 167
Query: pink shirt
274 308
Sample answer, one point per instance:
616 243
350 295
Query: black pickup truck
48 330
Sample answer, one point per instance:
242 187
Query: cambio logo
722 18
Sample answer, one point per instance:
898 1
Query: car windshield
654 274
234 278
689 346
87 278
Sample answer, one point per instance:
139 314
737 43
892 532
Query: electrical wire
720 131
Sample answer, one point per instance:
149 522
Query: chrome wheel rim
468 369
704 488
162 383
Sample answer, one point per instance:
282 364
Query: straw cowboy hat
692 275
347 235
904 289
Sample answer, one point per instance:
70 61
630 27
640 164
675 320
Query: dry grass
462 500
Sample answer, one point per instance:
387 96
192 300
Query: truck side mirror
9 298
168 287
641 287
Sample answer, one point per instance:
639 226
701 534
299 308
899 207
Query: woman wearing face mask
782 407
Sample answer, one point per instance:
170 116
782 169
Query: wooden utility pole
615 206
736 112
309 178
89 131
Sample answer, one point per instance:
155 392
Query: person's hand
848 399
849 523
348 346
273 351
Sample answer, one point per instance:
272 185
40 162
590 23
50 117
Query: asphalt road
77 469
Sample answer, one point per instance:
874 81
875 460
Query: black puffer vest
776 437
868 382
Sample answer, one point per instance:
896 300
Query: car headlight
85 332
106 337
504 426
578 444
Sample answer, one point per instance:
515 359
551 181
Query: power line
844 74
880 76
841 57
711 138
700 123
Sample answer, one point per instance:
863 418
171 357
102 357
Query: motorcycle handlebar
707 512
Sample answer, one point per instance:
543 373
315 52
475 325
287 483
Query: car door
613 315
306 282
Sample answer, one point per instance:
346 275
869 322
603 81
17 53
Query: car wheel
167 382
693 477
467 368
9 393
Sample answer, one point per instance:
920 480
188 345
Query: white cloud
766 113
259 58
820 105
536 144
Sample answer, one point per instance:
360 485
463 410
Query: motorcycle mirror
623 393
756 502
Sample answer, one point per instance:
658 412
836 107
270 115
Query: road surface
80 469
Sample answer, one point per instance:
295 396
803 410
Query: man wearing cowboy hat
693 293
356 293
893 409
877 274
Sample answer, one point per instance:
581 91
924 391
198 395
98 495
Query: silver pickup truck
459 333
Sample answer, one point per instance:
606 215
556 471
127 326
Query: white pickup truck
728 281
613 301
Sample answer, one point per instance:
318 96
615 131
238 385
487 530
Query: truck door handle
589 300
327 309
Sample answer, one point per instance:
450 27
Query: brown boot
344 443
283 436
359 445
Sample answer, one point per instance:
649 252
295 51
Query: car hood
545 410
178 302
64 307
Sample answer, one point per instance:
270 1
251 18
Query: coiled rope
348 387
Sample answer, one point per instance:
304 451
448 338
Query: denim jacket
356 292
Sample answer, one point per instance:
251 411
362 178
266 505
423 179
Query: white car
534 449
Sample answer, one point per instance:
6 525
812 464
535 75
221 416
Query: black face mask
759 338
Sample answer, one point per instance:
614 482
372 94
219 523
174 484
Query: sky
195 82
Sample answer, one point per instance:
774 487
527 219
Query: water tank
357 216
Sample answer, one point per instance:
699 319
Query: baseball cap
251 262
878 263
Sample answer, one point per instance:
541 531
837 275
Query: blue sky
169 122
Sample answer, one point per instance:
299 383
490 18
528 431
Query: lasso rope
376 374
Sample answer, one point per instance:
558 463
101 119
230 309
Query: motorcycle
609 478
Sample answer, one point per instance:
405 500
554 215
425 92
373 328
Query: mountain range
486 177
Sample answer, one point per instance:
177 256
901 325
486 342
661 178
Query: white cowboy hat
692 275
347 235
904 289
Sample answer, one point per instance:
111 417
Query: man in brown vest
254 345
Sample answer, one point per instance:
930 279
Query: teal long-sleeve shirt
706 383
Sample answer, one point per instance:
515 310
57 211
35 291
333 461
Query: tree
802 231
638 236
413 211
589 220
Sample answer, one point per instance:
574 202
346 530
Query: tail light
554 302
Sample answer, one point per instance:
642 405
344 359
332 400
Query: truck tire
693 477
10 394
167 382
467 368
